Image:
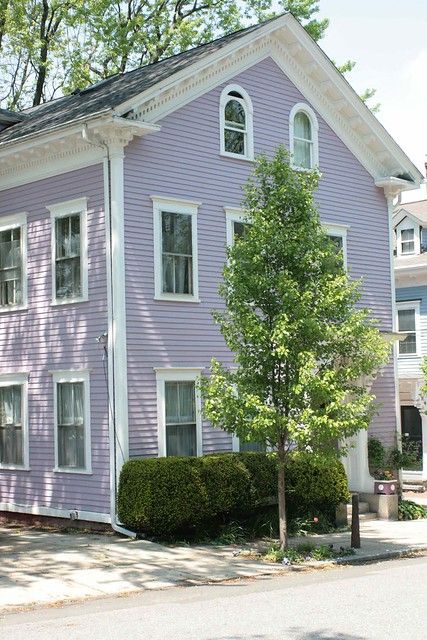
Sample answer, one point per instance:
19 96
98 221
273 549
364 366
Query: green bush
166 497
409 510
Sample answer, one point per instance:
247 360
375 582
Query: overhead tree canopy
51 47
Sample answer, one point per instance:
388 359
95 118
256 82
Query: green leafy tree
52 47
302 343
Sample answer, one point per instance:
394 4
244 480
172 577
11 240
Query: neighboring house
410 226
116 204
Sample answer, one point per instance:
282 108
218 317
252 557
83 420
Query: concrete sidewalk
38 567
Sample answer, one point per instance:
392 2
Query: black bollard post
355 524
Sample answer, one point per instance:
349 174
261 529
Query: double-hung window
179 412
175 249
69 251
72 421
408 314
13 421
13 282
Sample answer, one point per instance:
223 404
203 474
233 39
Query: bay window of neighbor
71 425
177 253
407 325
180 422
68 280
11 431
10 267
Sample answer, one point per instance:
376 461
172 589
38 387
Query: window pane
239 229
409 344
176 233
406 319
338 242
11 440
68 280
10 267
180 402
252 446
302 126
234 141
71 429
408 247
302 154
181 440
235 114
407 234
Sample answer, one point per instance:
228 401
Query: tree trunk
283 530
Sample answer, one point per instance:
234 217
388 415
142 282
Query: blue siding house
410 227
116 206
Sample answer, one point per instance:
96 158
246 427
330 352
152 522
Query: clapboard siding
410 366
46 338
183 161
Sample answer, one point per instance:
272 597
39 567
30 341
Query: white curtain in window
303 141
10 267
177 250
181 432
68 259
11 449
71 445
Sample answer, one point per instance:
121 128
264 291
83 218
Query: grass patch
305 552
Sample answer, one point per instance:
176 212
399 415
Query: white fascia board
344 87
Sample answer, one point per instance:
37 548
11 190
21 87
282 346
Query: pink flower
315 520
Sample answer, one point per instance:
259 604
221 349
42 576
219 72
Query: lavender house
116 204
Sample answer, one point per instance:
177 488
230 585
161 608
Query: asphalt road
385 601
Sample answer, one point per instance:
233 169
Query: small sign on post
355 524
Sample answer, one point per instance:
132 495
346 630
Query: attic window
303 137
236 123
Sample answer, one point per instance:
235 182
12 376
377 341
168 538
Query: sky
388 41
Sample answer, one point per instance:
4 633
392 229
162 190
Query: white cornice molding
66 150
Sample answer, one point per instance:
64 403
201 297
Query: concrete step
413 487
363 517
363 508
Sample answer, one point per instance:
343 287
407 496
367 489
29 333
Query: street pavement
383 601
39 567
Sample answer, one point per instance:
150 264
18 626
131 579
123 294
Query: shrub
166 497
409 510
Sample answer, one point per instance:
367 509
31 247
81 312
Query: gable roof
168 82
416 210
110 93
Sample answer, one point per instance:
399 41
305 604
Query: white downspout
114 472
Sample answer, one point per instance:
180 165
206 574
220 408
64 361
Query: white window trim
14 221
232 214
406 225
61 210
401 306
247 105
81 375
182 374
305 108
9 380
174 205
339 230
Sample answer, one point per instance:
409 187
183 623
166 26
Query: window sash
68 267
180 418
303 153
407 324
71 425
11 427
11 267
177 264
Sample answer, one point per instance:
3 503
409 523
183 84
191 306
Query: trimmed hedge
165 497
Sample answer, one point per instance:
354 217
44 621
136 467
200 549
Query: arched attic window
303 137
236 123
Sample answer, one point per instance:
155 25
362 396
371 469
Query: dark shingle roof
110 93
